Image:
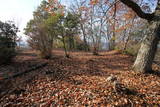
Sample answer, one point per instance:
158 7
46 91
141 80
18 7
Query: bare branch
137 9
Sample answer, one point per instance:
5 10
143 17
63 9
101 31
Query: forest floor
76 81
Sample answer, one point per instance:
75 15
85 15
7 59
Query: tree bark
147 51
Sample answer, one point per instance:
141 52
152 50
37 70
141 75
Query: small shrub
6 55
7 42
45 55
83 47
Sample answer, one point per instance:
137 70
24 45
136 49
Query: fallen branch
26 71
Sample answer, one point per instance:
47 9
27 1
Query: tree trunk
114 28
65 48
95 51
126 42
148 48
84 38
147 51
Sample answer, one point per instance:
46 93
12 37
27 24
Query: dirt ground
77 81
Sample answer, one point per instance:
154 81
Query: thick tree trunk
148 48
147 51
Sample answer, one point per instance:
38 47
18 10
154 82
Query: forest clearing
80 53
79 81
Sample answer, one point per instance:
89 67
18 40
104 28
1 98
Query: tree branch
137 9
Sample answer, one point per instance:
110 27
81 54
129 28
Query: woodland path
78 81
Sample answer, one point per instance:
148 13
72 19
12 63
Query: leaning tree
147 51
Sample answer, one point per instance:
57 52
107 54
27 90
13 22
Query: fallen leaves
81 81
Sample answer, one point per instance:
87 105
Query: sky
19 11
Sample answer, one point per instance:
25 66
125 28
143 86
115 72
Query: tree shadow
28 54
154 72
63 68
